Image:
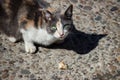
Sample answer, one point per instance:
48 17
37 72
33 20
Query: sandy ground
91 52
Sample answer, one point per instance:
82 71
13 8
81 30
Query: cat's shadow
79 42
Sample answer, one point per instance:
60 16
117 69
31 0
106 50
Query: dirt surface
91 52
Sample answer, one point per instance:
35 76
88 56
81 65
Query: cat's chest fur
40 36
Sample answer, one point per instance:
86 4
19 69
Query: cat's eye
67 27
53 28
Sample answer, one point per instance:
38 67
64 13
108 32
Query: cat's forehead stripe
59 27
59 22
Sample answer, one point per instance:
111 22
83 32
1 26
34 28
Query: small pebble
114 8
113 68
32 76
24 71
74 1
77 17
20 76
87 7
118 58
118 0
49 1
98 18
5 74
80 6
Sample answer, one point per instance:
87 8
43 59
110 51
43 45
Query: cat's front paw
30 48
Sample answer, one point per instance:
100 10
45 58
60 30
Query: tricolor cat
25 19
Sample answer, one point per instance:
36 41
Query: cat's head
59 25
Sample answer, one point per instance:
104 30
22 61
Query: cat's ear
69 12
48 15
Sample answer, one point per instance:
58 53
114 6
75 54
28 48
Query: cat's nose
61 35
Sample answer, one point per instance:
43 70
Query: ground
90 52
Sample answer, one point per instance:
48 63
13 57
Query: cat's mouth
61 37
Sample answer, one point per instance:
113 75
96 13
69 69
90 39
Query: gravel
91 52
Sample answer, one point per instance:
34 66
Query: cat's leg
29 47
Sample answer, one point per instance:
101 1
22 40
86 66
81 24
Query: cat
25 19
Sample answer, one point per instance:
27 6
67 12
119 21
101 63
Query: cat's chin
60 38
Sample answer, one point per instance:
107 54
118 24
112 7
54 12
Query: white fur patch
38 35
29 47
59 27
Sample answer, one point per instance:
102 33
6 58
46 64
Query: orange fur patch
30 23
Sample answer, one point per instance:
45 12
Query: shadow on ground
79 42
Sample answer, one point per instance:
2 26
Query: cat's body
26 19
